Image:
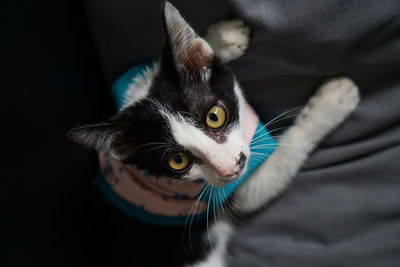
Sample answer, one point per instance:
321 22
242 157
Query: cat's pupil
213 116
177 158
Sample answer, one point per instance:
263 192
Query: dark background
51 80
59 57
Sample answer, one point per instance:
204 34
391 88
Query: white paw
340 92
228 38
336 98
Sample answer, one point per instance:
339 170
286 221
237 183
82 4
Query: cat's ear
190 51
102 137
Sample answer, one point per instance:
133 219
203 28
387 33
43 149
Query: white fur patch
221 232
229 39
139 88
332 103
223 156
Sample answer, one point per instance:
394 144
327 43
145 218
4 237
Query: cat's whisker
278 129
162 157
280 136
282 145
259 155
258 158
192 214
193 206
270 158
269 132
148 151
264 145
235 204
208 211
290 137
284 113
279 116
221 203
192 211
191 222
231 206
253 153
263 155
226 209
264 139
215 205
156 147
149 144
285 118
257 140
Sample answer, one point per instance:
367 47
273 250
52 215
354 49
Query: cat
191 102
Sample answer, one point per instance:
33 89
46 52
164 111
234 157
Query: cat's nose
234 170
228 172
225 165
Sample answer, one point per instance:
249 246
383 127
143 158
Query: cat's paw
336 99
228 38
341 93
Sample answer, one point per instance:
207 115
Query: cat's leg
220 233
229 39
331 104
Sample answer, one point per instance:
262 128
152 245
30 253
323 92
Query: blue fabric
265 144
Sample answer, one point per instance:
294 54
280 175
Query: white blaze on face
219 160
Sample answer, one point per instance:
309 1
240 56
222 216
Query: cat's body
179 105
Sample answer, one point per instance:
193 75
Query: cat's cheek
193 174
199 171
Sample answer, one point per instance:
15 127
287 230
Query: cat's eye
178 161
216 117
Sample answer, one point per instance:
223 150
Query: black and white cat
192 99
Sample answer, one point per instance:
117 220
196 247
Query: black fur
139 130
118 240
134 135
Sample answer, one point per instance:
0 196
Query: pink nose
227 172
225 169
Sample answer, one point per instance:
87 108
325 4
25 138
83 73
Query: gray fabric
343 209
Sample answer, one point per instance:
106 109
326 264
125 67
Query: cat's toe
333 101
340 93
229 38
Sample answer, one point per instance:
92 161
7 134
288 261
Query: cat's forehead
197 92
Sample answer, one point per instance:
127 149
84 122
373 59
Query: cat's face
188 124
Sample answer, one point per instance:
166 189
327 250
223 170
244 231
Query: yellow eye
216 117
178 161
